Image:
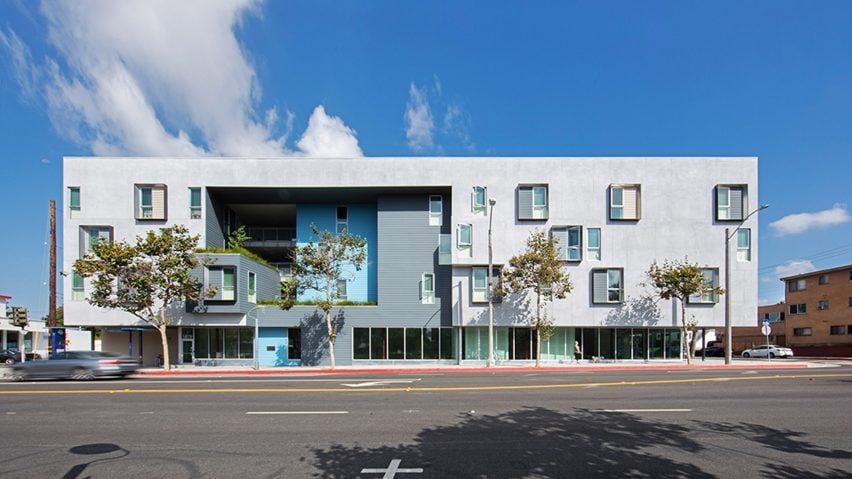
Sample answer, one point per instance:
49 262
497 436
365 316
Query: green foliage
238 238
144 278
317 266
538 270
679 280
248 254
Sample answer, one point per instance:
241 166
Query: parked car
713 351
772 350
12 356
80 365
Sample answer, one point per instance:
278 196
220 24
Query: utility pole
51 312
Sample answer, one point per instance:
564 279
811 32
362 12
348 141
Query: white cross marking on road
392 470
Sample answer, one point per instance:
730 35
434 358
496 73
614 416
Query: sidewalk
584 366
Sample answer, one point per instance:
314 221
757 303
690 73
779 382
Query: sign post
766 330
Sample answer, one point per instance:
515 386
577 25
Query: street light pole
255 363
728 328
491 202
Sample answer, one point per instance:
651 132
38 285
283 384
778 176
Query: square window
731 202
568 242
532 202
796 285
800 308
607 285
92 235
835 330
822 304
823 279
150 202
711 279
624 202
436 210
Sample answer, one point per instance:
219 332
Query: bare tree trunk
537 327
684 332
330 337
166 360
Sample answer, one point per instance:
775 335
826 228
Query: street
663 424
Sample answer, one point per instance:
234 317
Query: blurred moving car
12 356
79 365
771 350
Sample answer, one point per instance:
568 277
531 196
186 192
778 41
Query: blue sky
771 79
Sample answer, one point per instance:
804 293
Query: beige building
818 312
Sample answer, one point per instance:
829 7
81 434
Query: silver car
771 350
79 365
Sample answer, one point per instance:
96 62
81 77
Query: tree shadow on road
529 442
783 440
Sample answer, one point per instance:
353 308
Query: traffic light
19 317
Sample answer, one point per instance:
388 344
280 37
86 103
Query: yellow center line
422 389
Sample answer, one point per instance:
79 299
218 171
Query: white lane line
267 413
379 383
643 410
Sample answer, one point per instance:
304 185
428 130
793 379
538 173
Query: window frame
478 295
609 290
475 205
537 212
744 252
141 208
823 279
622 205
469 228
822 305
194 209
795 285
833 328
803 331
728 205
341 293
78 287
436 218
707 298
341 222
540 211
798 308
232 272
564 252
74 210
427 296
251 287
593 252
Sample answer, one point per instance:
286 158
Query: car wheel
82 374
746 355
771 355
10 360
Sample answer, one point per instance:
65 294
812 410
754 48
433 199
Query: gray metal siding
525 203
213 235
600 281
736 199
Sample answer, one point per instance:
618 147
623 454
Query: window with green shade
593 245
74 202
195 203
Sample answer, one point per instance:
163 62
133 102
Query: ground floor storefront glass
403 343
216 343
512 343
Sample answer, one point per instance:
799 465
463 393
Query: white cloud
328 137
164 78
421 131
418 120
792 268
22 65
800 222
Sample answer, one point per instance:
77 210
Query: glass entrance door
187 345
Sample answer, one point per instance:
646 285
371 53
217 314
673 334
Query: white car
771 350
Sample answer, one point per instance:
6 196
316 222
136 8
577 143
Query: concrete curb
455 370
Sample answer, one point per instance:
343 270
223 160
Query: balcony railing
271 237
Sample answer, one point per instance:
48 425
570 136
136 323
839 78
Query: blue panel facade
272 344
361 285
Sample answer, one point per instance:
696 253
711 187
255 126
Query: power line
818 256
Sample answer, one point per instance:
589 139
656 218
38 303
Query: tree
681 279
538 270
318 266
146 278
